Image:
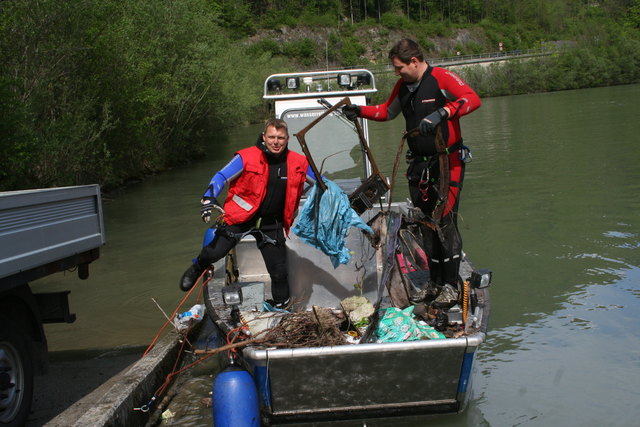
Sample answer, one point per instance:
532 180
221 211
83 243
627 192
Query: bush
351 51
274 20
393 21
303 51
269 46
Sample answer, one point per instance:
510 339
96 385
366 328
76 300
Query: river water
550 204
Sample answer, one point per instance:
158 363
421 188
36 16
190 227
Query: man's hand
351 111
429 123
207 206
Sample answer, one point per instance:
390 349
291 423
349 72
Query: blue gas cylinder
235 399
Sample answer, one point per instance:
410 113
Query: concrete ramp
112 403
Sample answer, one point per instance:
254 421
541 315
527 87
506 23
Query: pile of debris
351 324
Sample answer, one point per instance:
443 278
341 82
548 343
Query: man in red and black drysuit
265 186
429 97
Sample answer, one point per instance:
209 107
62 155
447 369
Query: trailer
42 231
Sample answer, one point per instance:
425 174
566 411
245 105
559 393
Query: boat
360 378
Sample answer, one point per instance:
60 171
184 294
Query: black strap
451 149
455 146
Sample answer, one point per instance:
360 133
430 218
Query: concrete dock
110 391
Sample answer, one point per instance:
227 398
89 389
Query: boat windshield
332 142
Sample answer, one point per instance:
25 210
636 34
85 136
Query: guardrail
470 59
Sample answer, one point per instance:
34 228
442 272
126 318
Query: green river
550 204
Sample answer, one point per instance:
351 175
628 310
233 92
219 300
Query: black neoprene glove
429 123
351 111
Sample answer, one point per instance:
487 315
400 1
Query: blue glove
429 123
207 206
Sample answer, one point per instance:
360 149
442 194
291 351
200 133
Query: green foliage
304 51
269 46
434 28
238 17
276 20
632 19
351 51
17 142
109 90
393 21
604 58
426 44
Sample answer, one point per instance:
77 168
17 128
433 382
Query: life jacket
427 98
423 101
247 192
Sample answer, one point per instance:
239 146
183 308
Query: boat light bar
331 83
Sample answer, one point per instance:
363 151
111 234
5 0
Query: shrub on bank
102 91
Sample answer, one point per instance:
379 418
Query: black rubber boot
190 277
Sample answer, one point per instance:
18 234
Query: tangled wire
315 328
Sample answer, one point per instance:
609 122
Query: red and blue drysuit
264 193
437 88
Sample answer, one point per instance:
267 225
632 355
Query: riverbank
73 375
103 389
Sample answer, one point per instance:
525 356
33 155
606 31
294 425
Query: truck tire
16 375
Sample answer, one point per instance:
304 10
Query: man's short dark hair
406 49
278 124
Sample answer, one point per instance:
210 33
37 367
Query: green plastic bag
401 325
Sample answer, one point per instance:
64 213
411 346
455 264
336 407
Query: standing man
429 98
265 186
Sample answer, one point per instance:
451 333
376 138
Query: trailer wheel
16 375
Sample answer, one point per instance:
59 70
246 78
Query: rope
157 337
405 135
465 301
239 333
185 341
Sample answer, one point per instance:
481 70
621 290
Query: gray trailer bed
47 230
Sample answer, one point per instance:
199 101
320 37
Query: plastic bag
335 216
401 325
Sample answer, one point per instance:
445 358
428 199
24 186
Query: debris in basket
316 328
401 325
358 308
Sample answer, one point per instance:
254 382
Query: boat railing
316 84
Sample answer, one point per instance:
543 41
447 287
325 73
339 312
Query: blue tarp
335 217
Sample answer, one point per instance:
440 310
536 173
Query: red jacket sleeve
386 111
461 99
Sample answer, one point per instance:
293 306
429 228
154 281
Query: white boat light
232 295
344 79
293 83
481 278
